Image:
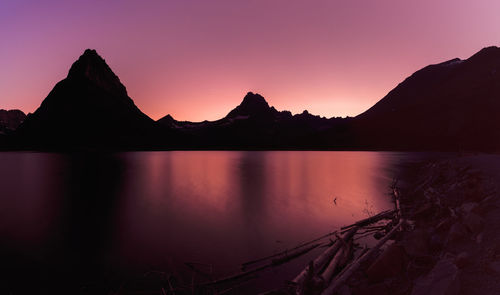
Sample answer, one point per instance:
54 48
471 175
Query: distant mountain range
453 106
253 125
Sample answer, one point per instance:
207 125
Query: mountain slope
449 106
90 107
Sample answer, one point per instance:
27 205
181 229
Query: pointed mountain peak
92 67
253 104
167 118
91 52
167 121
254 99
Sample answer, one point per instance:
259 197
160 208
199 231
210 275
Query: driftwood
337 261
397 200
274 262
287 251
318 264
382 215
323 268
354 266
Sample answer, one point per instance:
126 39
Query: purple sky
197 59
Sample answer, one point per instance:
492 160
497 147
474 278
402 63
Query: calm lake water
93 218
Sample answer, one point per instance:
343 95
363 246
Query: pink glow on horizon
196 60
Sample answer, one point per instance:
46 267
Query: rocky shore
451 244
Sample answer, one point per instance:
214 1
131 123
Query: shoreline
451 246
443 238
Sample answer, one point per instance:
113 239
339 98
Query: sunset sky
196 60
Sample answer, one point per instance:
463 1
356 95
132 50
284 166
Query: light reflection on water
155 210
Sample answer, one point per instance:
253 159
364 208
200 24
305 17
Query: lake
94 220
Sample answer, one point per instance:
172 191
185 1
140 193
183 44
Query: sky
196 59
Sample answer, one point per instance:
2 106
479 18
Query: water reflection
94 183
252 172
90 217
58 214
194 206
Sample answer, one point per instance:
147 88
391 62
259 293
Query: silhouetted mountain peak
253 104
91 66
488 51
167 119
88 108
254 99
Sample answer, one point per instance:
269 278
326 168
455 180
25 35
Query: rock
486 205
466 208
416 243
390 263
436 242
375 289
457 232
479 238
424 211
462 260
496 250
444 225
441 280
473 222
344 290
419 266
494 267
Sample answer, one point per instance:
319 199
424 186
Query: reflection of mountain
448 106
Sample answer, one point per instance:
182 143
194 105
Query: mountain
449 106
89 108
453 105
253 125
256 107
10 120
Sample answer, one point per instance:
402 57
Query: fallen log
274 262
382 215
337 261
285 252
354 266
318 264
